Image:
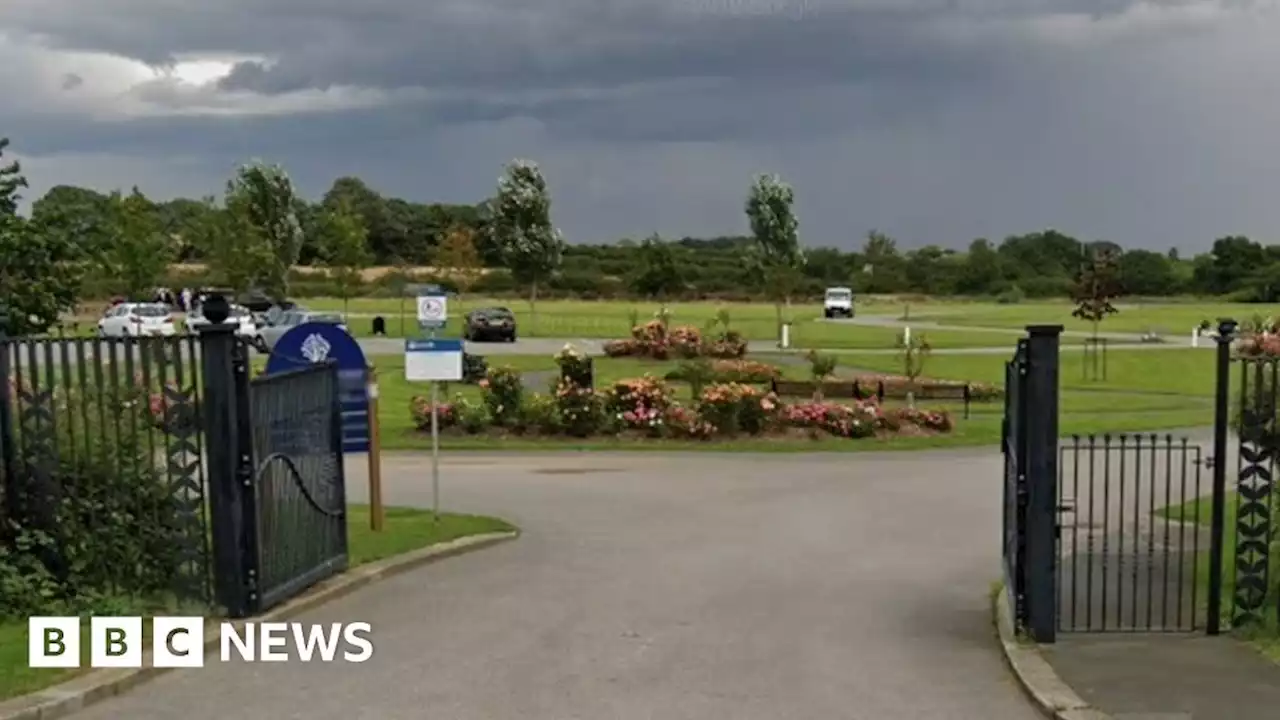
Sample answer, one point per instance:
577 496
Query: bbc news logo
179 642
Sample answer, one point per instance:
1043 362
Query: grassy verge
405 529
1265 638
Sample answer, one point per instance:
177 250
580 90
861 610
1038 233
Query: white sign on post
432 360
433 311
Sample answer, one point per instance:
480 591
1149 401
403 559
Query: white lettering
326 641
273 642
352 634
244 644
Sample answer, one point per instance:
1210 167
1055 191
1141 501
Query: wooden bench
865 391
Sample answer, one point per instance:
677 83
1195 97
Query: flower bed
722 371
655 340
645 407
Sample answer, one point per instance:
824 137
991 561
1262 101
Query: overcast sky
937 121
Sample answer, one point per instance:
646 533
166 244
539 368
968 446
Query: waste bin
379 325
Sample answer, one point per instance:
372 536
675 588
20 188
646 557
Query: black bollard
379 325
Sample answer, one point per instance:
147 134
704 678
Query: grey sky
937 121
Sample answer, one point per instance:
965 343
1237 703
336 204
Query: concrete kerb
97 685
1037 677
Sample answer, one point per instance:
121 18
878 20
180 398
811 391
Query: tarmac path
673 587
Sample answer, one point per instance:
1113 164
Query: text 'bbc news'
179 642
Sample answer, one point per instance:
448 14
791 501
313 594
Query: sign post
375 456
433 360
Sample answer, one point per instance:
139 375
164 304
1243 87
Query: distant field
1164 318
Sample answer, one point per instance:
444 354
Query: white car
239 315
137 320
838 302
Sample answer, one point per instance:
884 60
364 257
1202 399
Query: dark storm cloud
937 120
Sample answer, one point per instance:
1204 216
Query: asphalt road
686 587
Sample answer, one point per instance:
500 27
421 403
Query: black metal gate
298 481
1129 538
1142 540
277 488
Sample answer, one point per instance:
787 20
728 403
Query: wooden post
375 456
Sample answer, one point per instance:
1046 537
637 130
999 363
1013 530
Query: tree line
79 242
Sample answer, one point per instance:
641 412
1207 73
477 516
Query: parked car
239 314
256 300
137 320
273 313
838 302
490 324
270 334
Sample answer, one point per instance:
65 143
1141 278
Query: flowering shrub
1259 345
581 409
683 423
574 366
733 407
653 340
639 403
541 414
938 421
744 371
502 391
420 408
851 421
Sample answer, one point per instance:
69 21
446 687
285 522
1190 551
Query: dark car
497 324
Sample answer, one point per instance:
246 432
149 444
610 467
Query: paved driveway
699 587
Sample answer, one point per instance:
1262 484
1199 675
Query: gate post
10 491
1042 480
1221 421
228 442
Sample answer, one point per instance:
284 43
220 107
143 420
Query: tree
776 252
458 256
40 271
135 252
657 273
532 247
1097 284
263 196
236 252
344 245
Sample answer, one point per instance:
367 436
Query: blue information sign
316 342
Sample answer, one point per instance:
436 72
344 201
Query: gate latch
1068 506
1209 462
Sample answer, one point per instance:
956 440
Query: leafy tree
532 246
657 274
458 256
263 196
236 252
776 254
40 272
344 246
136 252
1097 284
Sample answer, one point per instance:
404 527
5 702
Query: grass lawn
1267 637
611 320
405 529
1165 318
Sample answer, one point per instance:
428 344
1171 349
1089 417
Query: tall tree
263 195
236 252
532 247
40 272
344 245
774 226
458 258
136 252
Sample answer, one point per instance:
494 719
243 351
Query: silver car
270 333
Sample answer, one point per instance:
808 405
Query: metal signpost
433 360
